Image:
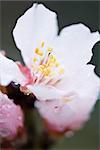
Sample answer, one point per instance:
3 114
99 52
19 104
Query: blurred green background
69 12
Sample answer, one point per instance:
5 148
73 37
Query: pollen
47 63
44 70
52 58
38 52
42 44
47 71
41 68
35 59
51 61
49 49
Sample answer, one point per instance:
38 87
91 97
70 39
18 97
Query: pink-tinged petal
36 25
11 117
57 116
67 104
74 111
62 118
74 46
9 71
27 73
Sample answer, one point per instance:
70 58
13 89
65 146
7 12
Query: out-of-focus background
69 12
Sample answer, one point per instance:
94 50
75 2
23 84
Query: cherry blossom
56 70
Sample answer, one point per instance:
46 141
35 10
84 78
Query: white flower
57 72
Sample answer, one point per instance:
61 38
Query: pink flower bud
11 117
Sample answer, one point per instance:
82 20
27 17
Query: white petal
74 46
71 115
9 71
36 25
82 82
74 113
43 92
87 87
85 84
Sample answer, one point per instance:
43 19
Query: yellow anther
41 68
61 71
38 52
35 59
52 58
42 44
51 64
48 64
44 65
49 49
46 71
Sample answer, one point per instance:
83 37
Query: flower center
45 64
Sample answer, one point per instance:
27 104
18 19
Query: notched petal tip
76 40
96 37
34 11
41 6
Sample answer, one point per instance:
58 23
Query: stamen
38 52
40 68
52 58
49 49
45 66
42 44
46 71
35 59
51 61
